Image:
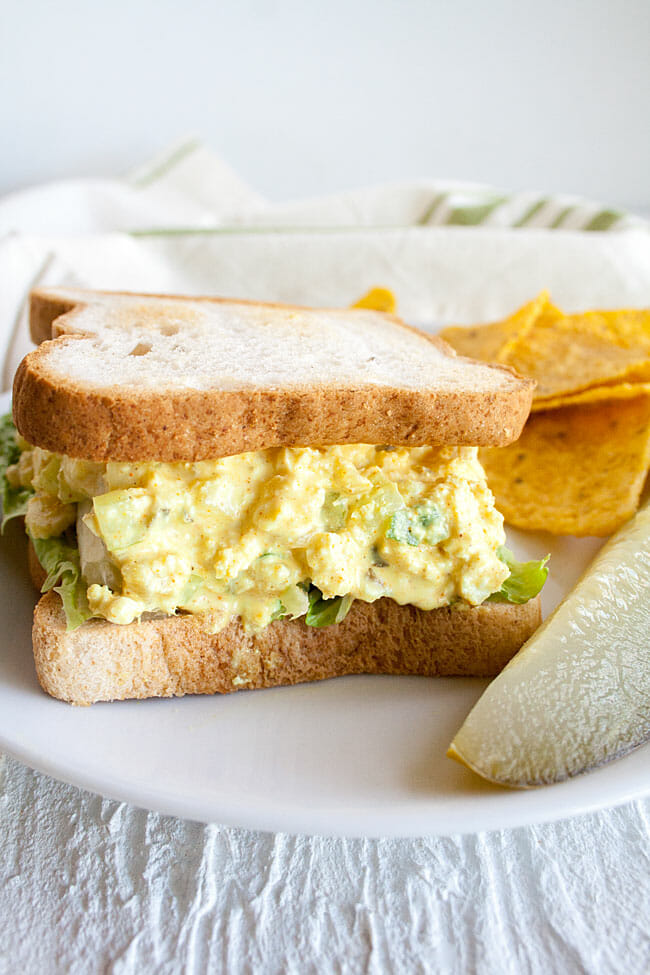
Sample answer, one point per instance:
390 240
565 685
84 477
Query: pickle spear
577 695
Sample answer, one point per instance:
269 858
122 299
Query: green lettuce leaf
325 612
14 500
279 612
525 580
61 563
9 449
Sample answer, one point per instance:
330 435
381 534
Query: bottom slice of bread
173 656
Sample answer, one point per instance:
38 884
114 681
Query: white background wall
305 97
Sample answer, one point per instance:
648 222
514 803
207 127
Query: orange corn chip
595 394
576 470
487 342
377 299
576 352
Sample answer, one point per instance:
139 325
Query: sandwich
222 495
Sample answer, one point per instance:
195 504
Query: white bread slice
140 377
172 656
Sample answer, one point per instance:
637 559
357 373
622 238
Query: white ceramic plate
356 756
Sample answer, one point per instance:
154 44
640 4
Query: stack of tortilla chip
580 465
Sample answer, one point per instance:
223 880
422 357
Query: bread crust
44 308
49 308
190 425
193 426
173 656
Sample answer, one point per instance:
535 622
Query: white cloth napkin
89 885
187 224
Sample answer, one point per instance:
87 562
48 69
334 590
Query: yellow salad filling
253 536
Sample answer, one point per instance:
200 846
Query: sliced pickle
577 695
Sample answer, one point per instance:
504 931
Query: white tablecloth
91 885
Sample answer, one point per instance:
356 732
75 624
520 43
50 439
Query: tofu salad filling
279 533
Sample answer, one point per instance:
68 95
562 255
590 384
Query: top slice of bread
149 377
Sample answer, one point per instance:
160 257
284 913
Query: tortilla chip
595 394
377 299
577 470
542 310
576 352
487 342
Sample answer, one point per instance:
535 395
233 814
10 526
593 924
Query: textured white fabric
91 885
